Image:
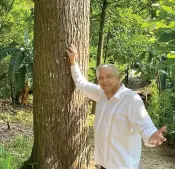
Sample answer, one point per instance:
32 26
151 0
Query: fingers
68 52
73 47
163 139
71 50
162 129
158 141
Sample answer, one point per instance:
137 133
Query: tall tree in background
60 128
100 42
101 33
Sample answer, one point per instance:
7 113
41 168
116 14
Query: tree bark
127 76
100 43
25 94
60 126
101 33
106 48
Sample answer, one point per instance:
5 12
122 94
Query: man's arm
91 90
139 116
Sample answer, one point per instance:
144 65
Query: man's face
108 81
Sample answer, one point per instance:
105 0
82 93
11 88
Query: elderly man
121 119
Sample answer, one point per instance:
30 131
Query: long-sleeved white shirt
120 123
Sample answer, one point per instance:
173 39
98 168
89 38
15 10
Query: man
120 119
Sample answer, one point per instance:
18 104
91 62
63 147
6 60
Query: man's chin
106 90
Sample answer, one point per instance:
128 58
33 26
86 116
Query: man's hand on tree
72 53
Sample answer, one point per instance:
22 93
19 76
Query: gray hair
107 65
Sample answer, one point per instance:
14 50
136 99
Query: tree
60 128
100 42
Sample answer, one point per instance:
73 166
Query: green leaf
20 78
171 55
172 42
163 72
7 51
173 73
155 5
2 76
29 70
142 56
29 58
161 66
18 61
169 61
166 37
11 65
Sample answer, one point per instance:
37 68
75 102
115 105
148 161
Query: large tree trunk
100 43
60 127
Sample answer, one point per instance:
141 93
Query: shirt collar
120 91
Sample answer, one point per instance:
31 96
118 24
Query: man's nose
105 80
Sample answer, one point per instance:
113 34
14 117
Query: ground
162 157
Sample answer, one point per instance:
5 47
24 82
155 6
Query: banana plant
20 67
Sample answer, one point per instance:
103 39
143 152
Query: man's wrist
72 62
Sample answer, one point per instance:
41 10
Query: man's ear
119 76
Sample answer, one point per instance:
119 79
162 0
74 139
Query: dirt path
162 157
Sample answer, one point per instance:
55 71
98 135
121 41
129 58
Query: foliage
15 22
124 37
4 85
13 154
20 65
160 31
16 28
162 110
16 143
5 158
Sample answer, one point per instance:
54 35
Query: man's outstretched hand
157 138
72 53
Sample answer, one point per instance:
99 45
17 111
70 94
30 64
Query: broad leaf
18 61
169 61
11 65
20 78
7 51
173 73
171 55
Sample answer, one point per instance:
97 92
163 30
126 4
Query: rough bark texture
60 126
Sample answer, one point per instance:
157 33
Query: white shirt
119 124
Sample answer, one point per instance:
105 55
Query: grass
13 154
16 143
5 158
